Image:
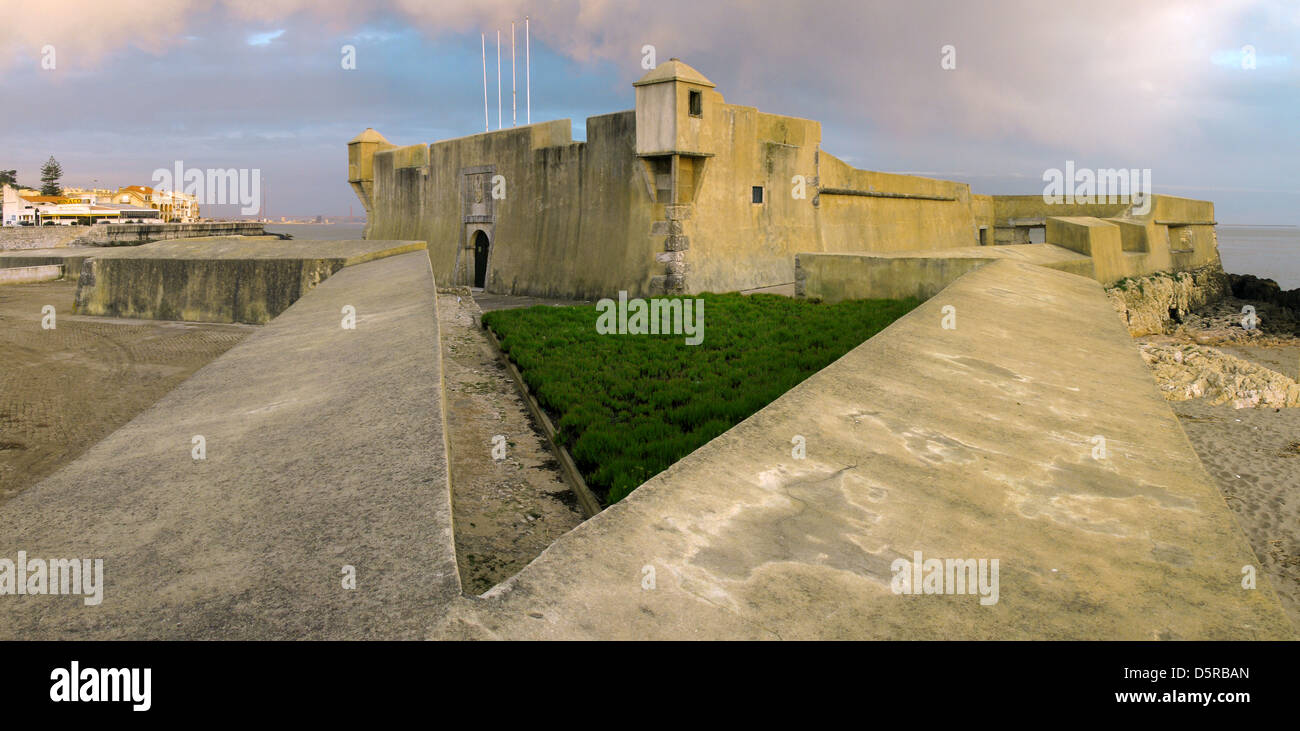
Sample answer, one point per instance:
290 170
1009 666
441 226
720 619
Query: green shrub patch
627 406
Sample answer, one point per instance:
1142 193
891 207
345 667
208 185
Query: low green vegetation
628 406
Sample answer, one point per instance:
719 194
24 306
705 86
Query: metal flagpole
498 78
487 124
528 72
514 114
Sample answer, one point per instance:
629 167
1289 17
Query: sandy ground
1281 358
506 511
1254 454
64 389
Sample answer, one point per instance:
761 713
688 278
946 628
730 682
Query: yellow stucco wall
659 199
573 222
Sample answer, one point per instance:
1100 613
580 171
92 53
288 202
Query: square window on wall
756 194
697 103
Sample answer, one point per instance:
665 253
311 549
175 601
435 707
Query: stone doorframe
465 264
478 214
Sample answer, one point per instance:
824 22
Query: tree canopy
51 172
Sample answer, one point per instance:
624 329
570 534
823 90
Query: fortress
327 445
687 193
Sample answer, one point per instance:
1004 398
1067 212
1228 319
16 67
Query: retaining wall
39 273
119 234
217 280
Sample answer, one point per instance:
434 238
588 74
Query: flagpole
528 71
514 114
487 124
498 78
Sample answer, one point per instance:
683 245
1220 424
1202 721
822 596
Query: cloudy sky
140 84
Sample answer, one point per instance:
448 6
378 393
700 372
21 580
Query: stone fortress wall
687 193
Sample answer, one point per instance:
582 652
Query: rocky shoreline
1235 391
1205 335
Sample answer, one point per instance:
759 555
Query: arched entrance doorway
480 258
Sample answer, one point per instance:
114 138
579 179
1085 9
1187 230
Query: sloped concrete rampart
966 443
324 449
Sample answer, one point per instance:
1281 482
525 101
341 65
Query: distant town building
22 207
89 195
174 206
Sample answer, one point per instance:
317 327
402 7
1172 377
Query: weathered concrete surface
38 273
119 234
71 257
920 274
974 442
1099 240
134 234
249 280
1105 250
324 448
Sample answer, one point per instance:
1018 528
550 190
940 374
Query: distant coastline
323 231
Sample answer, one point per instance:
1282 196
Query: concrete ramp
248 280
323 449
978 442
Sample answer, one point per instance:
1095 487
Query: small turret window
757 194
697 104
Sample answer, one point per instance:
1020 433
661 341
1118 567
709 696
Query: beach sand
1254 455
63 389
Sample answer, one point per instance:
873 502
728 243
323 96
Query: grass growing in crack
626 407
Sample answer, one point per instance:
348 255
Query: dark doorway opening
480 259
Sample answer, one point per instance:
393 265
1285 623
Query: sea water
1271 252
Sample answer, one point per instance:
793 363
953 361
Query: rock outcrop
1190 371
1251 287
1158 303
